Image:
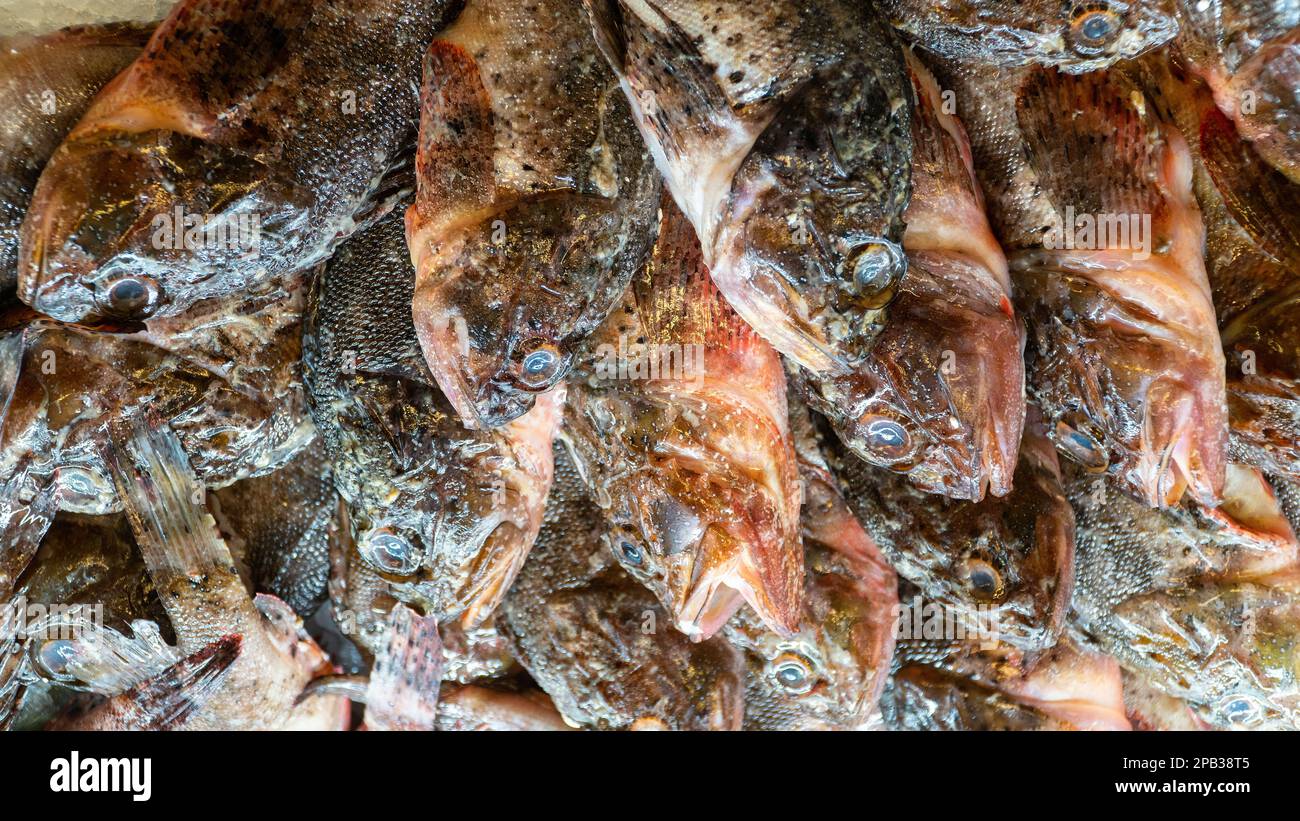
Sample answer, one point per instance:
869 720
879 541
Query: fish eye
887 438
1082 448
631 552
1093 26
875 267
54 656
984 580
80 482
390 551
130 296
540 366
792 673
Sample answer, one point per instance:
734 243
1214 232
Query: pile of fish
652 364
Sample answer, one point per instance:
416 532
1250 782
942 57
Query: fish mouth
707 589
1180 452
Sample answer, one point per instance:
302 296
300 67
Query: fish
599 643
1074 37
940 397
535 203
403 687
23 524
206 601
677 417
438 516
1247 52
46 84
1104 236
831 672
1070 687
475 655
278 526
1003 564
226 375
471 707
782 130
1149 709
202 169
1199 603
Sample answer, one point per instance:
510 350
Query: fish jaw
1079 687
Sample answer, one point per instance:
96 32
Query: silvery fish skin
205 599
536 203
597 641
278 527
1248 51
216 126
225 373
1252 252
1202 604
1006 560
782 128
829 674
476 654
1076 37
678 419
23 523
444 513
941 395
46 83
1105 238
1069 687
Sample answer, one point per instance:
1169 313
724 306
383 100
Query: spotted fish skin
535 206
272 121
46 84
1199 603
1105 240
439 516
599 643
801 224
1075 37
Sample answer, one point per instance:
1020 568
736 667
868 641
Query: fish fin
454 157
22 526
1090 141
82 654
403 689
1261 199
167 700
677 300
396 185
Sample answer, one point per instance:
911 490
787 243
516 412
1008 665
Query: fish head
126 225
699 529
940 397
501 304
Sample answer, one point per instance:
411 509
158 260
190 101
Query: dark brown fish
782 130
1203 604
536 203
1105 240
1003 563
1076 36
678 419
439 516
941 395
46 83
600 644
246 140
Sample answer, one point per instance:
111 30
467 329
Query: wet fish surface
208 167
46 83
536 203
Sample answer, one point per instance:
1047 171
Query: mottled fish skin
678 418
46 83
1069 687
1248 51
1076 37
536 203
941 395
446 514
1125 358
782 128
1252 254
1008 559
225 373
599 643
278 527
829 674
287 112
1200 603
